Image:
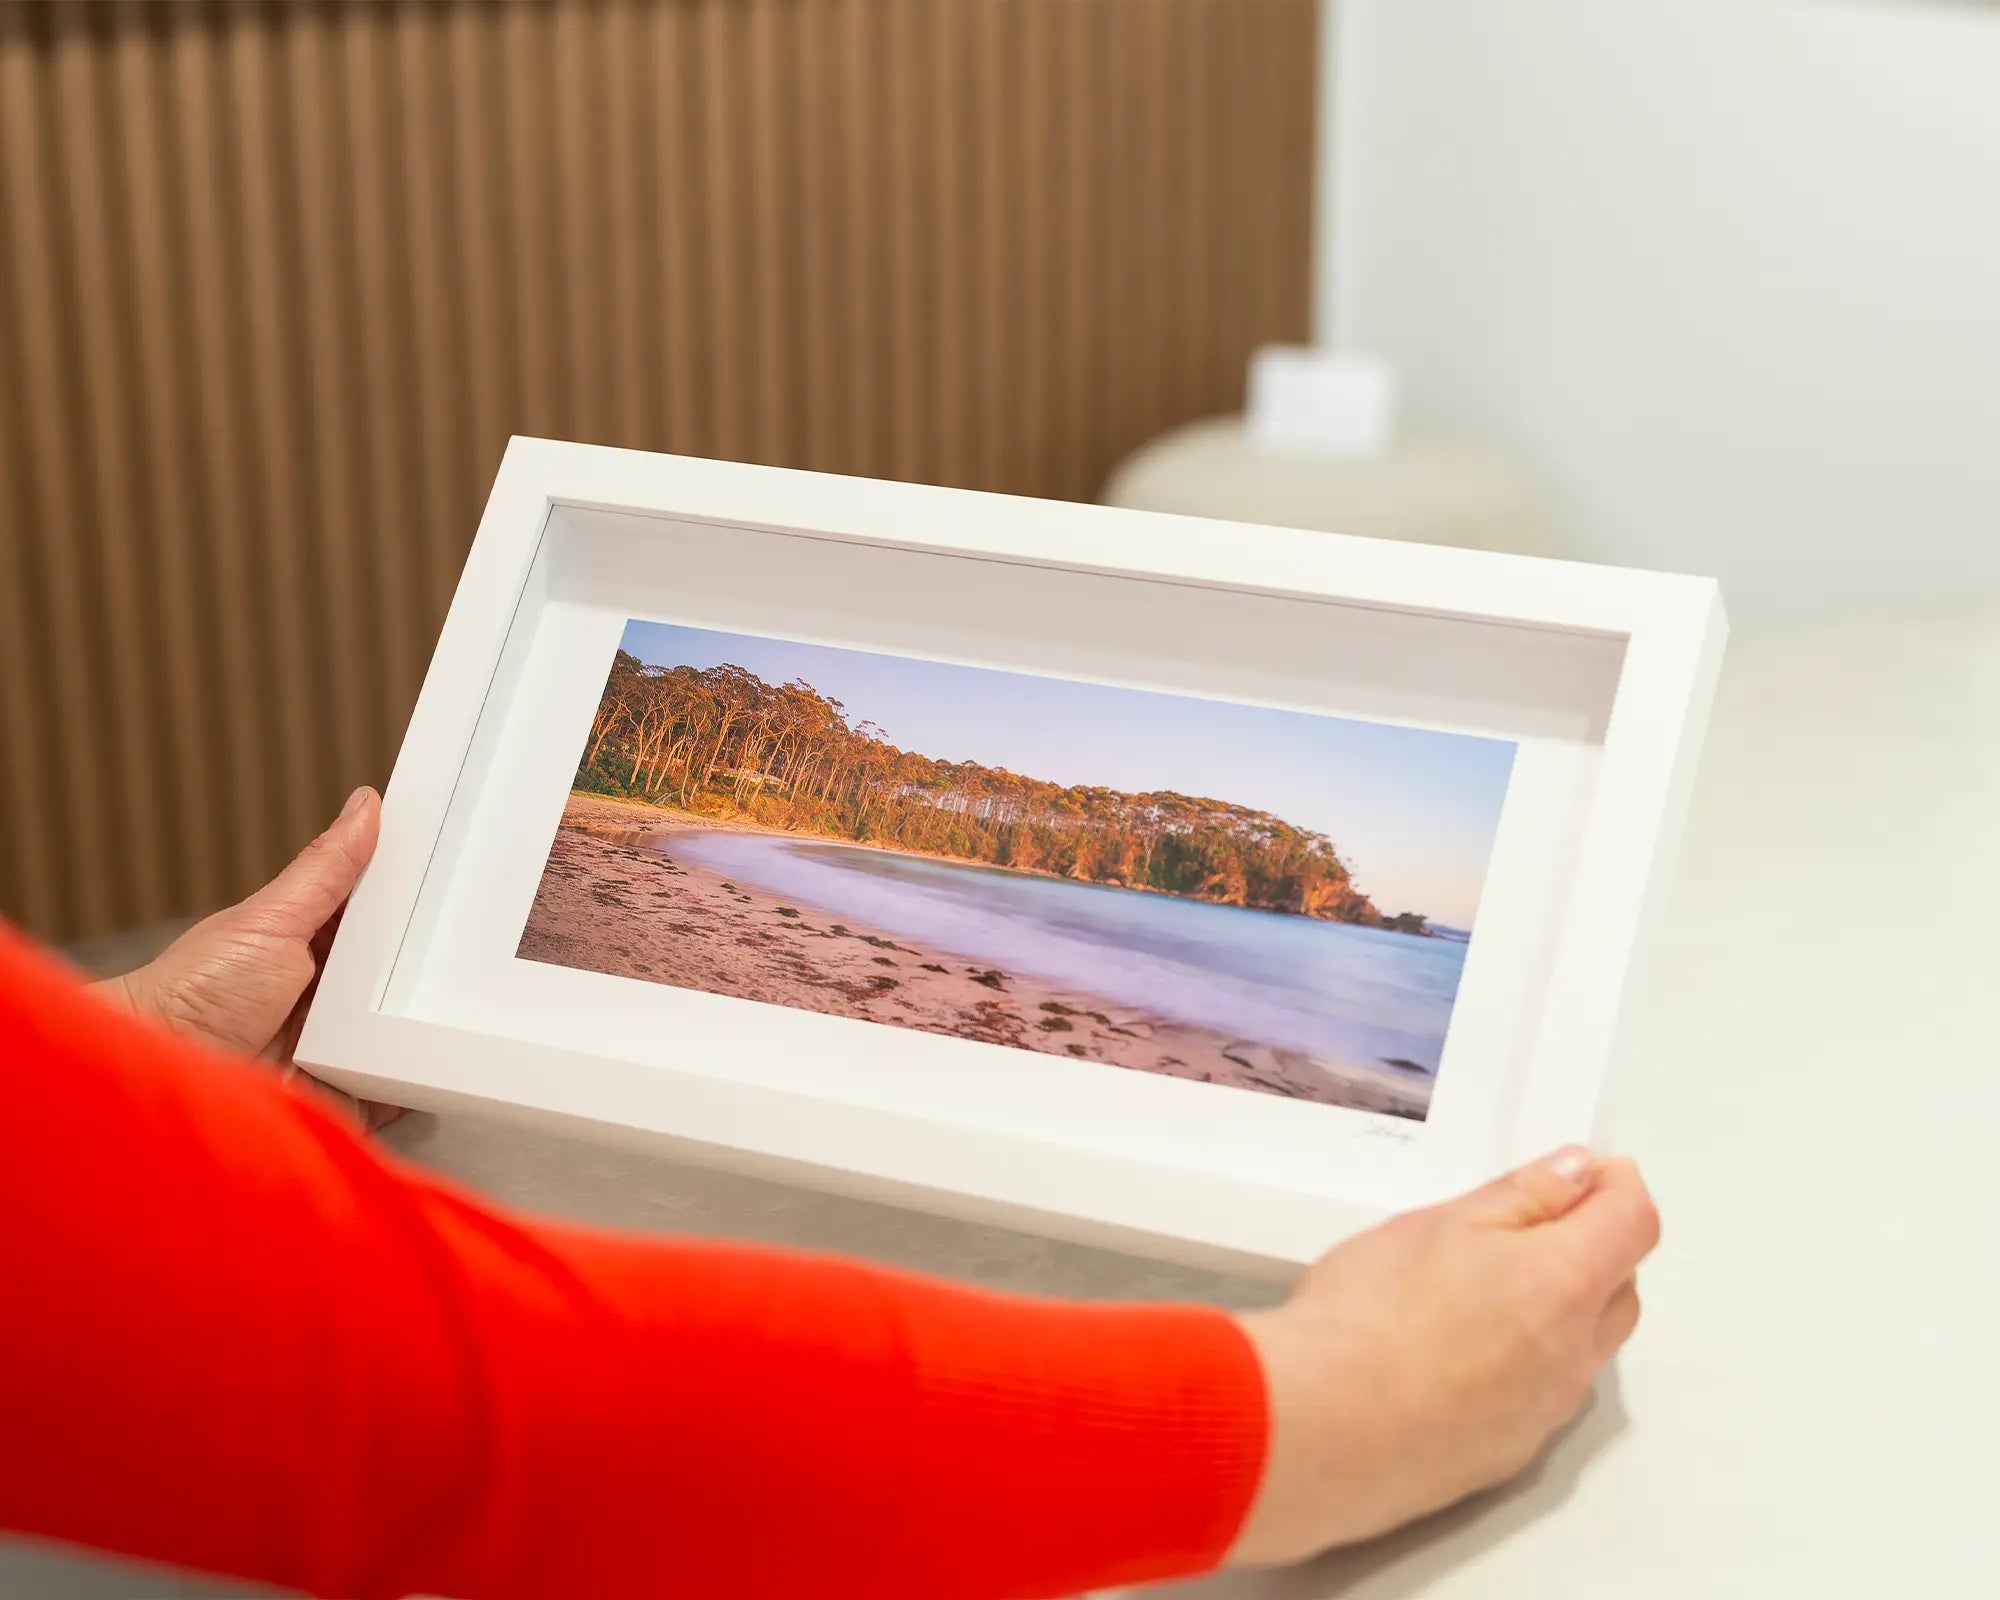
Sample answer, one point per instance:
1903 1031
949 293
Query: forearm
245 1341
834 1429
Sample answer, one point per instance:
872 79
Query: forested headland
720 742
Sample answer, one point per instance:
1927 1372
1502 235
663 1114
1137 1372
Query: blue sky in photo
1414 810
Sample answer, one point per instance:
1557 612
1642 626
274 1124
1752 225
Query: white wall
1724 273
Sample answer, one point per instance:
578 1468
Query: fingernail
1573 1163
354 803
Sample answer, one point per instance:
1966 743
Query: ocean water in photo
1355 995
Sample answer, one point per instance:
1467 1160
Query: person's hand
1433 1356
241 980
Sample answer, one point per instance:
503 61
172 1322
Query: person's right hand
1433 1356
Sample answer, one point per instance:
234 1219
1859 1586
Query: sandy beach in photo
616 899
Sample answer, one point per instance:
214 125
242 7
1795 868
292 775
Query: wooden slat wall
277 280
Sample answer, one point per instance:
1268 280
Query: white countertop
1811 1406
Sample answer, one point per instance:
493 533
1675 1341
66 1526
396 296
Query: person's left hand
241 979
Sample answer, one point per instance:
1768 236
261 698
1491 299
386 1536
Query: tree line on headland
720 742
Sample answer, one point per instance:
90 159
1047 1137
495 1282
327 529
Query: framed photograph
1196 888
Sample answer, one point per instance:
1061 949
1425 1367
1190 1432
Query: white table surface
1810 1407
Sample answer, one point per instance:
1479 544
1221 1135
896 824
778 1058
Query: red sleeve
234 1336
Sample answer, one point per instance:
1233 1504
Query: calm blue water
1356 995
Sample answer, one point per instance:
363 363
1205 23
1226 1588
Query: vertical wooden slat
1035 225
36 831
682 352
372 143
487 386
947 198
278 277
157 296
1081 120
629 235
825 342
329 413
1234 122
114 498
909 225
1116 42
436 263
215 442
534 311
1296 129
1269 36
991 171
292 618
718 216
1192 287
1154 171
70 646
31 880
583 234
769 327
869 281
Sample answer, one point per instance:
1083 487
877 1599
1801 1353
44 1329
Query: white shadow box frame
1601 677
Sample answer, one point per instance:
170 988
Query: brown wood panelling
277 280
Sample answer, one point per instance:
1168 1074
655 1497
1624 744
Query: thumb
1539 1192
298 901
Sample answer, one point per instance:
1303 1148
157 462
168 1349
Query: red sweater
236 1336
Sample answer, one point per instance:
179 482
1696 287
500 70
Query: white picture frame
1602 676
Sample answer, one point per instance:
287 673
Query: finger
322 941
1619 1317
1539 1192
1617 1226
297 903
285 1044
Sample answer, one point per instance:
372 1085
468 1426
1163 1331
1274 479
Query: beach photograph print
1261 899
